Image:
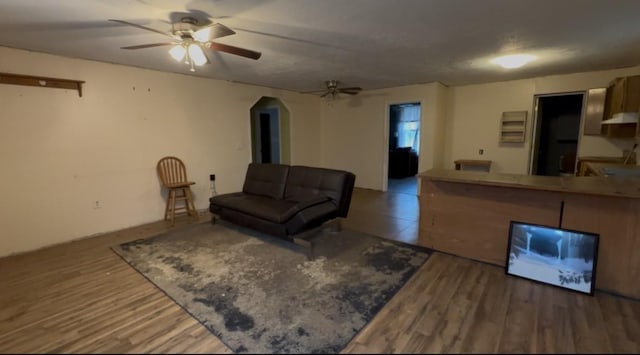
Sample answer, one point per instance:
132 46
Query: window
409 127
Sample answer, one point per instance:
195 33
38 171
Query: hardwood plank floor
80 297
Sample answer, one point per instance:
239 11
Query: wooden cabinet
594 113
584 169
587 170
623 95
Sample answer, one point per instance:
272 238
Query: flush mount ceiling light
514 60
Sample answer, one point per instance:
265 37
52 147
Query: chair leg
166 207
191 207
173 206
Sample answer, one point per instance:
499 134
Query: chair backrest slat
171 170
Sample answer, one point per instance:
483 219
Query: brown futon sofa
284 200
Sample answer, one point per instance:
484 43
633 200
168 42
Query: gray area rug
261 294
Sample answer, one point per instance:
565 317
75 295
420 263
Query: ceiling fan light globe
197 55
177 52
202 35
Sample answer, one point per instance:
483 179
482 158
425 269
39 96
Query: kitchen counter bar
594 185
467 213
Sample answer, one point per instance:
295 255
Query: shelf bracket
41 81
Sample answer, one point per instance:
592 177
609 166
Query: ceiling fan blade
348 92
140 46
350 89
313 92
233 50
325 94
141 27
212 32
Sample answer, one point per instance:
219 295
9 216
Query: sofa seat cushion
311 217
270 209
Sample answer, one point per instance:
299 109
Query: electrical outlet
97 205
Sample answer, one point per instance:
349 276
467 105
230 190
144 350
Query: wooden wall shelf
512 126
471 164
41 81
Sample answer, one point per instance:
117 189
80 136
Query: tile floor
407 185
393 214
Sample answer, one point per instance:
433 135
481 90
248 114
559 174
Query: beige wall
473 116
456 123
60 153
439 126
355 131
472 123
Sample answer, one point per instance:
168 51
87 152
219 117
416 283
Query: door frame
534 122
385 139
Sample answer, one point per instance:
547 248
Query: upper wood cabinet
623 95
594 113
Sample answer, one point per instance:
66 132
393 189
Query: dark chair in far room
567 164
403 162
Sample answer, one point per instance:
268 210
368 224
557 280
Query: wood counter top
600 168
603 159
593 185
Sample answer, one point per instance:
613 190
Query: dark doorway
556 133
265 137
404 147
266 130
270 132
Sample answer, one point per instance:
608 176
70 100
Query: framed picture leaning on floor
560 257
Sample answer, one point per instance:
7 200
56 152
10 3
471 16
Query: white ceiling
368 43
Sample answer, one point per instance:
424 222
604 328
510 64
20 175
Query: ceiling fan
332 90
188 39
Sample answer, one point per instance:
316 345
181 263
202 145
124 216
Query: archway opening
270 132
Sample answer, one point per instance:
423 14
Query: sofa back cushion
266 180
306 182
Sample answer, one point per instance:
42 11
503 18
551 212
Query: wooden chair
173 176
